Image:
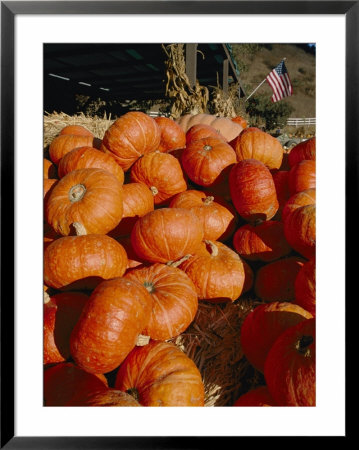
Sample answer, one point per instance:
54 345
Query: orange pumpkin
64 143
216 271
83 261
303 150
300 230
132 135
61 312
160 374
110 323
92 197
172 135
275 281
264 242
201 131
86 158
204 160
289 369
49 169
302 176
218 220
253 191
259 396
226 127
305 287
264 325
174 298
259 145
303 198
78 130
180 230
162 173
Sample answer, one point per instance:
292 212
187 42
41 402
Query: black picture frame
9 9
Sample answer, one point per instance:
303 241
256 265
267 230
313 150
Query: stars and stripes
280 83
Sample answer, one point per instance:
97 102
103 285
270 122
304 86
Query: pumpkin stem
178 262
213 247
303 345
149 286
154 190
76 193
134 392
207 148
208 200
79 229
142 340
47 298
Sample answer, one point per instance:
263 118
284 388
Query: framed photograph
41 44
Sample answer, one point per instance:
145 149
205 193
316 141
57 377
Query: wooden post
191 63
225 76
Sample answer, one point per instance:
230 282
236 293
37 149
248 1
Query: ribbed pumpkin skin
256 397
83 261
174 296
89 157
217 277
305 287
138 200
50 170
64 143
253 191
264 325
303 150
303 198
162 375
132 135
302 176
108 397
300 230
61 313
172 135
92 197
275 281
180 230
162 173
201 131
259 145
64 381
226 127
290 366
264 242
76 130
110 323
205 159
218 221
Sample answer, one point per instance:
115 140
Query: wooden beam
191 63
225 76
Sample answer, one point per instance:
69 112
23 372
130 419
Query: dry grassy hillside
301 68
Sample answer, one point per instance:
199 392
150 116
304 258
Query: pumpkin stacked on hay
179 265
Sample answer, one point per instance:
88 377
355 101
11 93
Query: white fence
299 122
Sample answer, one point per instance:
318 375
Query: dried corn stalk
184 98
224 104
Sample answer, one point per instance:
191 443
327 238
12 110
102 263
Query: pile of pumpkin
160 214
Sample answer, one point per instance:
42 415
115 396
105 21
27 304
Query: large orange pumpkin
253 191
259 145
166 234
300 230
289 369
160 374
275 280
226 127
162 173
110 323
264 242
172 135
89 157
218 220
61 312
131 136
305 287
302 176
174 297
92 197
264 325
204 160
216 271
78 130
83 261
303 150
64 143
259 396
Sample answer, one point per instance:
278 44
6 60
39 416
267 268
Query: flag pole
259 85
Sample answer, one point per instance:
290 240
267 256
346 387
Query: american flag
280 83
